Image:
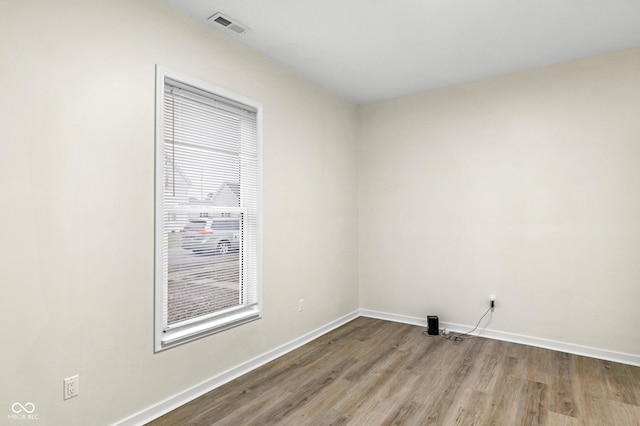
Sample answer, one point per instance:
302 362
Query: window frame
195 329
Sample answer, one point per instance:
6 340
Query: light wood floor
373 372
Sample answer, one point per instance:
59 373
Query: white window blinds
207 194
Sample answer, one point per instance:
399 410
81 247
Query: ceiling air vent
229 23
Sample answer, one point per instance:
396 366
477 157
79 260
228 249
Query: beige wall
526 186
76 180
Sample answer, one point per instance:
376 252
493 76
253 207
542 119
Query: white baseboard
175 401
514 338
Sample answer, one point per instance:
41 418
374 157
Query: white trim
226 94
166 337
394 317
587 351
179 399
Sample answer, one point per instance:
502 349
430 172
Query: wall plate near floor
71 386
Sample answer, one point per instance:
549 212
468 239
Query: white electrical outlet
492 297
300 305
71 386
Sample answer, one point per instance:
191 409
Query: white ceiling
369 50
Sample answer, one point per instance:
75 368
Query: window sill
171 338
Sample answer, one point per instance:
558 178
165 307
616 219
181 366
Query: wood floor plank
448 392
620 383
470 408
374 372
563 400
324 406
312 386
555 419
486 377
374 399
502 406
404 414
532 406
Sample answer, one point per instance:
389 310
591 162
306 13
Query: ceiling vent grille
231 24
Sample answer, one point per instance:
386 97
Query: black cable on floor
459 337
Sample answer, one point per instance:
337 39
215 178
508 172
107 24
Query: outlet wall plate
71 387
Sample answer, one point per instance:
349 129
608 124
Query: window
207 200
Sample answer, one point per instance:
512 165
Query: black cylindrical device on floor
432 325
